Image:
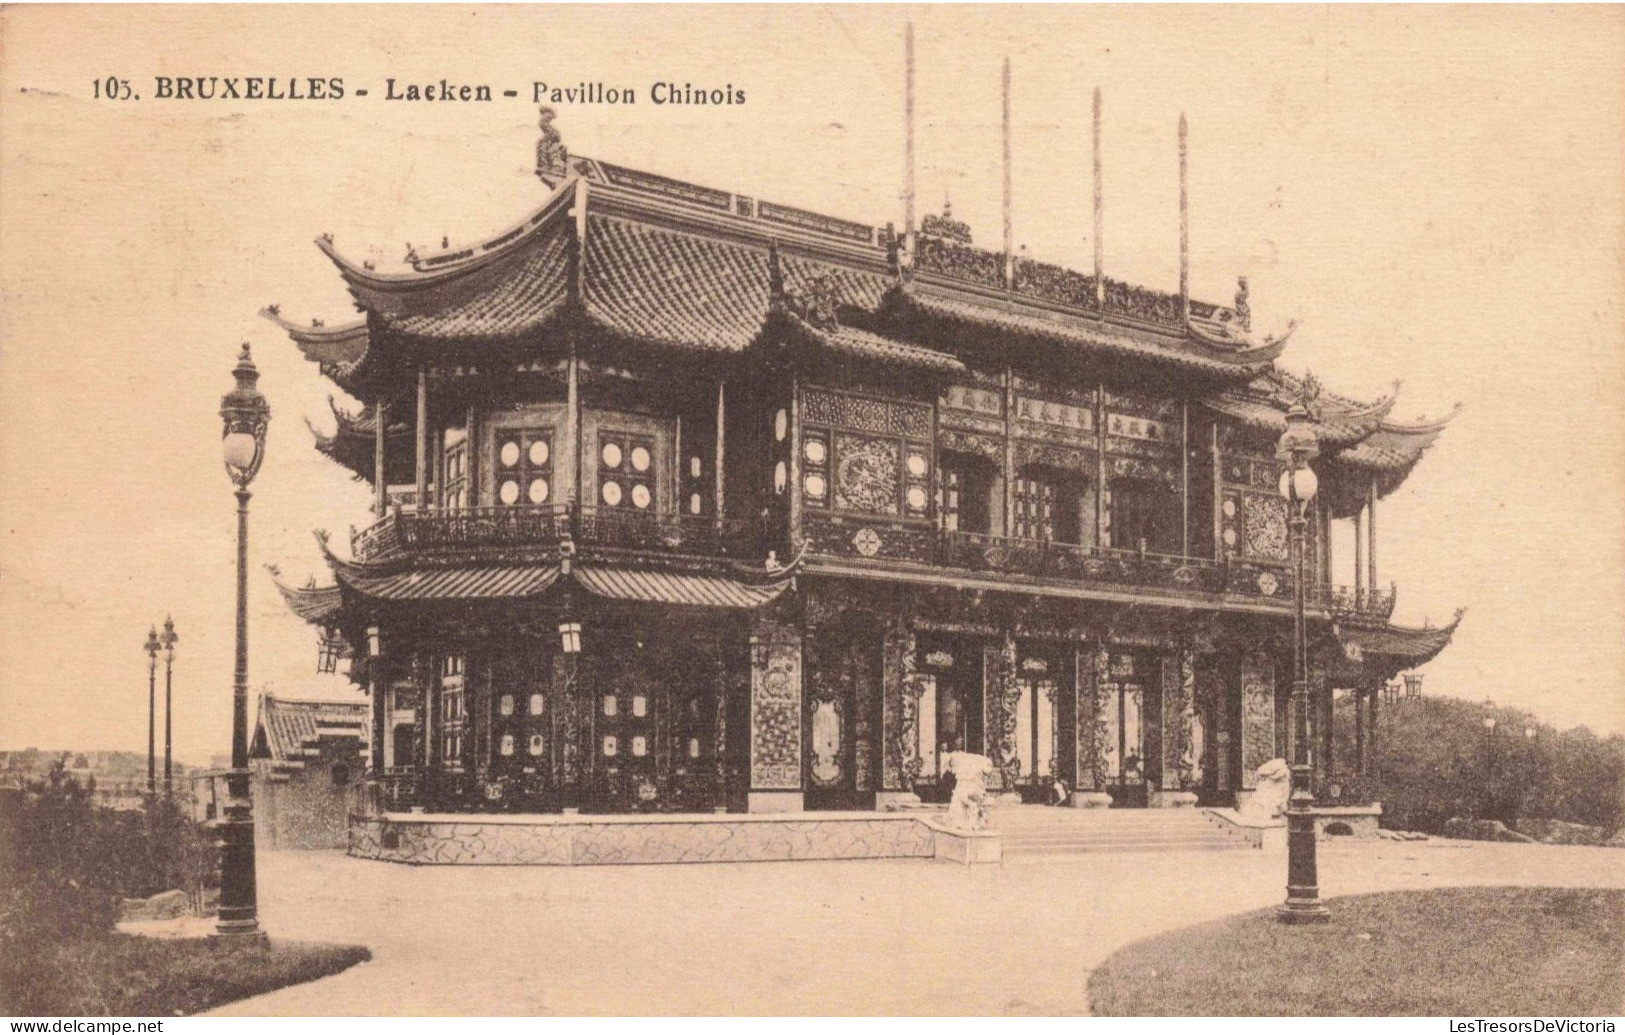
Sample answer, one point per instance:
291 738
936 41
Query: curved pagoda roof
1387 649
619 256
644 259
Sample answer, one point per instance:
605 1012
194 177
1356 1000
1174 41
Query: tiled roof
660 587
1083 333
292 728
1338 424
505 298
674 288
315 604
862 344
483 582
1405 644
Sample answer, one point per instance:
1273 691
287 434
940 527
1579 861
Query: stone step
1232 844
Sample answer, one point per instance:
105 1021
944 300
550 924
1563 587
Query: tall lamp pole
1489 758
151 647
244 414
168 639
1298 446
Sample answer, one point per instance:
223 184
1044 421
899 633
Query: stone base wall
433 840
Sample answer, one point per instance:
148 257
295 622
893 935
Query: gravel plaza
832 938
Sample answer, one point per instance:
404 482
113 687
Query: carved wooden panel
1257 717
775 713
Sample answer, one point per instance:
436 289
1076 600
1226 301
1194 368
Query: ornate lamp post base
1303 904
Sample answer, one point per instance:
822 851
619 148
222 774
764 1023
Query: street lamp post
1489 759
168 639
1296 448
244 414
151 647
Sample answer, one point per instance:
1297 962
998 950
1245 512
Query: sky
1435 194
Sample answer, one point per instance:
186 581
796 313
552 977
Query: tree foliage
1438 760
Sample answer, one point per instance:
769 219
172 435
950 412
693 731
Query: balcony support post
570 455
1218 496
1359 559
1101 540
1371 536
380 486
722 432
1184 429
422 502
1361 764
794 487
1009 446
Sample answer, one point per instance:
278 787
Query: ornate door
842 732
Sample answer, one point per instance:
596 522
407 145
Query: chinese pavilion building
689 501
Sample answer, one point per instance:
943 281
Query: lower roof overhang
1029 586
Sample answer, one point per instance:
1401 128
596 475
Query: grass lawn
124 975
1455 952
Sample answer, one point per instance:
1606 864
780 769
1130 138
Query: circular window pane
694 466
816 486
780 474
536 744
510 491
814 450
538 490
916 497
640 496
510 454
640 459
781 425
917 465
610 746
612 455
538 453
612 493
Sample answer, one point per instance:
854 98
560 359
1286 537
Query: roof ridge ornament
1244 312
552 157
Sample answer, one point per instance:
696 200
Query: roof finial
1184 227
1009 230
551 155
1244 312
1100 218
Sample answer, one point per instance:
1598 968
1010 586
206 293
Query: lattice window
456 468
524 466
626 471
1035 508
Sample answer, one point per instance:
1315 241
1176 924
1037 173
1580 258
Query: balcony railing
473 528
1365 601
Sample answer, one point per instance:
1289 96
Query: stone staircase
1035 831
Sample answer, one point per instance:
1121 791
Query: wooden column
793 470
1009 445
1101 539
423 440
375 686
1359 558
722 418
1371 537
1184 476
1361 764
570 455
1218 497
471 464
380 485
1372 744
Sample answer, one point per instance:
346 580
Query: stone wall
611 840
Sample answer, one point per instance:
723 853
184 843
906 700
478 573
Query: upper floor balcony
527 527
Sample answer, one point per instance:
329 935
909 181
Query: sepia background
1435 194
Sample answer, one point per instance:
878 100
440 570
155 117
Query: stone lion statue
967 810
1274 787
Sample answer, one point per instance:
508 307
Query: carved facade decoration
868 473
552 158
863 413
1265 525
972 443
1257 716
1055 284
775 711
946 258
1001 693
1178 720
946 226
